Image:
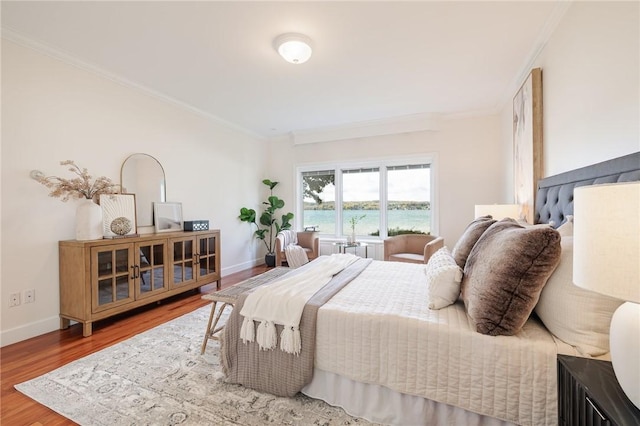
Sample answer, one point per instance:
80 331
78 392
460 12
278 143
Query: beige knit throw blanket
282 302
296 256
276 371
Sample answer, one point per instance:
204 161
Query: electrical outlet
30 295
14 299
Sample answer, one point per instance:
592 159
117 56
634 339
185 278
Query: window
319 207
409 204
375 199
361 201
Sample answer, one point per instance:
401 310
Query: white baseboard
241 267
27 331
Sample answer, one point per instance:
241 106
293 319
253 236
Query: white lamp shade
606 254
606 259
497 211
294 48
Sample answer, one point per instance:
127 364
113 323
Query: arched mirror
143 175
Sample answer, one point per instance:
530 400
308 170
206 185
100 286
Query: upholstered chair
412 248
308 240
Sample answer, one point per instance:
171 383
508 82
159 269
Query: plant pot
270 259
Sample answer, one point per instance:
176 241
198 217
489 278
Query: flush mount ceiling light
294 48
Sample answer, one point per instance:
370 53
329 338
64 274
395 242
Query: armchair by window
412 248
308 240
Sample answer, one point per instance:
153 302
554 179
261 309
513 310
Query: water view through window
405 199
361 201
408 195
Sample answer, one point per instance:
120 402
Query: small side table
228 297
589 394
342 247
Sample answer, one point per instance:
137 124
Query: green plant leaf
275 202
247 215
267 219
286 219
270 184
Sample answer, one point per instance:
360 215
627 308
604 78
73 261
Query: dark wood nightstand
589 394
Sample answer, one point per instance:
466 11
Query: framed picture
527 143
168 217
118 215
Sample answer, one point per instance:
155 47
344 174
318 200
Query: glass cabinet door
112 279
151 274
207 252
182 261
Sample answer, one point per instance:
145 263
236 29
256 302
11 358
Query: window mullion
383 202
338 202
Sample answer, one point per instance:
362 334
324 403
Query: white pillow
566 229
576 316
443 279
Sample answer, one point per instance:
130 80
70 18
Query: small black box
196 225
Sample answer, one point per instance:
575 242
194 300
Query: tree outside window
318 188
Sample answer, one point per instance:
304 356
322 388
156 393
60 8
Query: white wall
469 159
591 86
52 111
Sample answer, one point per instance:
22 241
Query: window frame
382 164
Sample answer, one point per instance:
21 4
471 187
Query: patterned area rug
159 378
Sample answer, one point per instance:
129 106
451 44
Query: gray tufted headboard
554 199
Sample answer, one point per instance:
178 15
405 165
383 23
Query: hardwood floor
31 358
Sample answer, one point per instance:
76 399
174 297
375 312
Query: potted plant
353 221
268 220
84 187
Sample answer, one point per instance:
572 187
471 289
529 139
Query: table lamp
497 211
606 259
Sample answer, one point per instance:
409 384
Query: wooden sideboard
102 278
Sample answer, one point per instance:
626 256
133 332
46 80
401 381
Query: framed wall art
168 217
527 143
118 215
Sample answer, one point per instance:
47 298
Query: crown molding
541 41
68 58
387 126
484 112
363 129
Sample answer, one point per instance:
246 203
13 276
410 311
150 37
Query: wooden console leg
64 323
86 329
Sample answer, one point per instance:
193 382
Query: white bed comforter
379 330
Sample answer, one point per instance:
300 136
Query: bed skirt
379 404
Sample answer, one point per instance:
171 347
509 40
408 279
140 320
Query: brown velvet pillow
468 239
505 273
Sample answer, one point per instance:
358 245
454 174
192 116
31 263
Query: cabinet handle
133 272
593 405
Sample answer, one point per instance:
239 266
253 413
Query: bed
382 354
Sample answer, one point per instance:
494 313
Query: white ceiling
372 61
